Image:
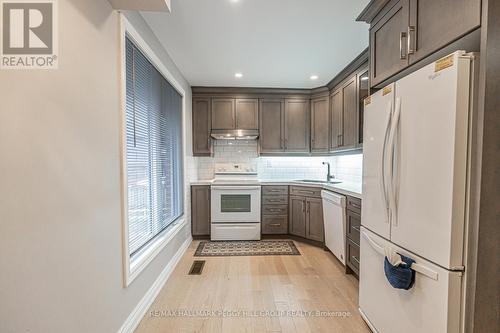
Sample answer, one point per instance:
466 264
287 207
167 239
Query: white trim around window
132 268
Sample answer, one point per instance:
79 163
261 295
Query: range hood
237 134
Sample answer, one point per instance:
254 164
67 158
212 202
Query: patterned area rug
246 248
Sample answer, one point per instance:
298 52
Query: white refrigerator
415 187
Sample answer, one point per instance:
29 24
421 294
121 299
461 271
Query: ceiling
273 43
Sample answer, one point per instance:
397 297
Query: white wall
60 223
345 167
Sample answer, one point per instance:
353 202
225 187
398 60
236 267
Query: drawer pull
275 224
273 200
356 260
275 210
356 228
355 205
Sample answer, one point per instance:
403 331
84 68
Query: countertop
346 188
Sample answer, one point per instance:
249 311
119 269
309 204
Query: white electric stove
235 202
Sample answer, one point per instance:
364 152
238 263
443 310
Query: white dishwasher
335 220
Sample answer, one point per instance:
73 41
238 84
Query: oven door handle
233 187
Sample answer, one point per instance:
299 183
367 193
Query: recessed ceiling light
238 75
313 77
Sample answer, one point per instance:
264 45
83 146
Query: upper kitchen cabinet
247 114
363 92
344 116
271 127
406 31
336 121
320 132
230 113
350 116
201 127
387 43
436 23
223 113
284 126
297 125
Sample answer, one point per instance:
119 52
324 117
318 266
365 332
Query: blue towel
401 276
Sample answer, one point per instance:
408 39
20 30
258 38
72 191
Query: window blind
154 150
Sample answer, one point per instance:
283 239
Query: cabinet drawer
274 190
305 191
354 204
353 225
275 200
274 225
275 210
353 256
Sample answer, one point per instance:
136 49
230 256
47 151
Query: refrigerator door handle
415 266
392 161
384 161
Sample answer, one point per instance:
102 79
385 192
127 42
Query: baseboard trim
139 311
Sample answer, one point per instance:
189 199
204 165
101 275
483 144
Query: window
153 150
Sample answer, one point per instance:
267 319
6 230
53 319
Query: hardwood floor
313 281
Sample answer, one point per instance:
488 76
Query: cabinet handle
355 205
273 200
401 54
411 29
355 259
275 224
356 228
274 210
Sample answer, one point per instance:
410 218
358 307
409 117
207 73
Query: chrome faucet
329 176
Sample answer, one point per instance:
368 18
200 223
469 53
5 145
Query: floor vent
197 267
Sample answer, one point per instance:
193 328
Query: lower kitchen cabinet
200 210
314 219
274 208
274 225
353 224
297 216
306 214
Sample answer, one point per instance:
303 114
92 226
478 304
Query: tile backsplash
345 167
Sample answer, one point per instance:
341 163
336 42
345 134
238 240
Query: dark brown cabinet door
336 119
200 210
271 126
320 133
201 127
297 216
247 113
435 23
297 125
363 91
388 39
349 136
223 113
314 216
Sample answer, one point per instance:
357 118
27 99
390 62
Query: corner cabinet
320 129
406 31
297 125
201 127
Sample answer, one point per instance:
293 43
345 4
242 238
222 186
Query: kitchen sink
314 181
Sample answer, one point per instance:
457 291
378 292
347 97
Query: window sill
142 259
